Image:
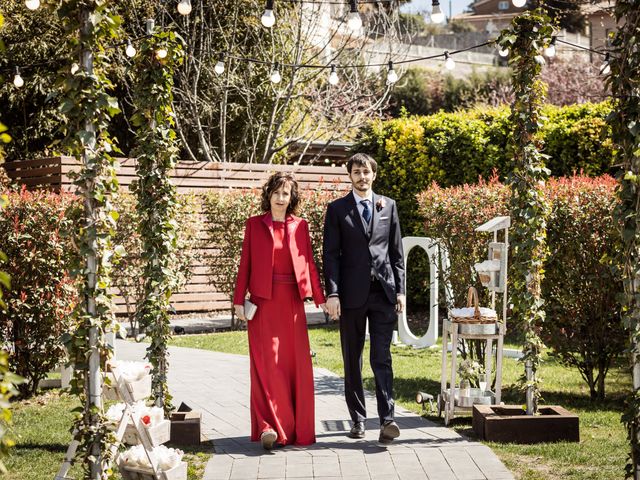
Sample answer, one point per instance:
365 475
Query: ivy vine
157 152
624 81
88 109
528 35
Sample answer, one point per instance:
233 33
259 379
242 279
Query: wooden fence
189 177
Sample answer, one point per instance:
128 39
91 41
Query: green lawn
600 454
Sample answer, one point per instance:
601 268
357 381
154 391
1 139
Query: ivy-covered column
528 35
88 109
624 80
156 152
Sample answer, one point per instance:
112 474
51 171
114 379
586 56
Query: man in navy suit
364 277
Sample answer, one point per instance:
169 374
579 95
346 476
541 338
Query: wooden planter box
132 473
157 434
511 424
185 428
139 390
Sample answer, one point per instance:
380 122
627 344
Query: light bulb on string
32 4
184 7
449 63
436 12
130 50
519 3
392 76
605 68
268 18
503 52
18 81
550 51
219 67
275 74
354 20
333 76
162 53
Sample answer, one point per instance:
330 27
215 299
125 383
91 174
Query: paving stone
425 450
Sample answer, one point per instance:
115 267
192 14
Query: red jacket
256 262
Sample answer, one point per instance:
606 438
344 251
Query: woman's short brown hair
274 182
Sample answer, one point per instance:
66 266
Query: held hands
401 303
333 308
240 312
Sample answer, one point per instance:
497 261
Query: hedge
583 327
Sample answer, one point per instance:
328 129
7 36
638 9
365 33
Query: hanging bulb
605 68
550 51
519 3
354 21
32 4
392 76
161 53
275 74
436 13
184 7
268 18
18 81
131 50
333 76
449 63
219 68
503 52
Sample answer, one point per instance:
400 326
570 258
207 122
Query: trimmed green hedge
457 148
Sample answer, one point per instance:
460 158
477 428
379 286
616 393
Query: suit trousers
382 320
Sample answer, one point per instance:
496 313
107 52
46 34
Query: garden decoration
623 74
529 34
145 428
438 256
477 323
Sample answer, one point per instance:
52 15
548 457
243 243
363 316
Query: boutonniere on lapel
380 204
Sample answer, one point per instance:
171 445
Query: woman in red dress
277 269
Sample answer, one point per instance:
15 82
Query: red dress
282 396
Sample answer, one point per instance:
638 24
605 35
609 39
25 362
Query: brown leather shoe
388 431
268 439
357 431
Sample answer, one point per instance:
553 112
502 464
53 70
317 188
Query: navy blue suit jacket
349 255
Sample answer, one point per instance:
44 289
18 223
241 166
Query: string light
184 7
333 76
605 68
550 51
519 3
503 52
32 4
436 12
275 74
219 67
268 19
18 81
449 63
162 53
392 76
130 50
354 20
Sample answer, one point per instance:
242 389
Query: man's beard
363 187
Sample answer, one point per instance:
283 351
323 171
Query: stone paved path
217 384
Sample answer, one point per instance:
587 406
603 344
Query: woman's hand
240 312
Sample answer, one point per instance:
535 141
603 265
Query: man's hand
333 308
240 312
400 303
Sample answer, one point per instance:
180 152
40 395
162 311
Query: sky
415 6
